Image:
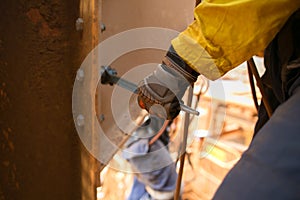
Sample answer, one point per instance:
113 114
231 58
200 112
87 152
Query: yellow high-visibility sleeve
225 33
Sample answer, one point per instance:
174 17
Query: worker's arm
225 33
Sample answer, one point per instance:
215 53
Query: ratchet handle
109 76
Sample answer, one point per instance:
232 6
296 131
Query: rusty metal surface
41 49
40 154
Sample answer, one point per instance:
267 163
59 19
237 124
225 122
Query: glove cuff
174 61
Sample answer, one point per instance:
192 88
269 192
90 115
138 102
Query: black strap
253 90
265 101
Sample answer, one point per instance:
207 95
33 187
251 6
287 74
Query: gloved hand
160 93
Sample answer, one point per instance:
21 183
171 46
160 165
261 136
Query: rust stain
9 143
34 16
17 185
45 30
38 20
11 146
5 163
5 134
4 100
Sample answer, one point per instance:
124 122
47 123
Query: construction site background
209 159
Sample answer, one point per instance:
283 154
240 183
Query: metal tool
109 76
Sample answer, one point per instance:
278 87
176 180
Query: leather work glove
160 93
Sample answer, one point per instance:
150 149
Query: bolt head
79 24
80 75
80 120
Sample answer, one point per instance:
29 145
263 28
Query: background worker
224 34
155 172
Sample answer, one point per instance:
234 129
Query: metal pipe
184 142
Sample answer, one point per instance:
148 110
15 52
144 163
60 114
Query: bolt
80 75
102 27
80 120
79 24
101 118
